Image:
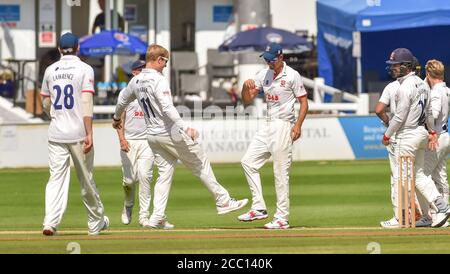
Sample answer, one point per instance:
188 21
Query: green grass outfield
336 207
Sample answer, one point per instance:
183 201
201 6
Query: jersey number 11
146 103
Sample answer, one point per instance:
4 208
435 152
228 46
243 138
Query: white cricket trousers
167 151
413 142
436 167
393 162
273 139
57 190
137 166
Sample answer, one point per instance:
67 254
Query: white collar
439 85
70 57
283 71
149 70
401 79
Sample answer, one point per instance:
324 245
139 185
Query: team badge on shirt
282 83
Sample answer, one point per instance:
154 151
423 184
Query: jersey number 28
68 97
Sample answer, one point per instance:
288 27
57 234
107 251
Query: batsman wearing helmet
413 126
387 99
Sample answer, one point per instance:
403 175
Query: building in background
29 29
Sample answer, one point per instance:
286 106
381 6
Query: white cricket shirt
280 92
152 91
64 81
134 123
388 95
439 106
412 105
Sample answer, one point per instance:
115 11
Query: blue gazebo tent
420 25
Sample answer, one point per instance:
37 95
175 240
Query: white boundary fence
358 104
224 140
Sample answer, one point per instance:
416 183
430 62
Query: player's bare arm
297 128
88 140
249 91
46 105
117 123
380 110
87 103
124 145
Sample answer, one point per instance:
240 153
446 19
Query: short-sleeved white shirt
281 92
135 127
388 95
64 81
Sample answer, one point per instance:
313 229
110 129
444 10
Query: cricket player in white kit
136 156
436 160
282 86
387 99
169 137
67 88
412 114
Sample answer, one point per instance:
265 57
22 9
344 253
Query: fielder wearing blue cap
68 43
282 87
138 65
272 52
68 92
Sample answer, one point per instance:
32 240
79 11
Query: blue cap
273 50
137 64
399 56
68 40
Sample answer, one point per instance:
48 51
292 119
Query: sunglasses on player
271 61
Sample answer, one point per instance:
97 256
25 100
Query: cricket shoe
443 213
104 227
424 222
49 231
161 224
277 224
392 223
232 205
253 215
144 221
126 214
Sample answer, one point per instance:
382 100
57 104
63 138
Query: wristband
386 138
115 120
